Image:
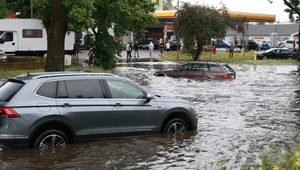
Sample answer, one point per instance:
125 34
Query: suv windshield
9 89
1 32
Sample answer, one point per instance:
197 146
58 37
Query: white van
28 37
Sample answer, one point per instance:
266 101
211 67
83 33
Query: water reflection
238 120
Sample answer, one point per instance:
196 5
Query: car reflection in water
201 70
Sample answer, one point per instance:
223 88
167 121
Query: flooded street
238 121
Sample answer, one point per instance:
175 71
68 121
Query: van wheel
51 140
176 126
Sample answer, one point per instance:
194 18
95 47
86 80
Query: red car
201 70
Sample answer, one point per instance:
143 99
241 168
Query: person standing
128 50
136 49
151 47
231 48
168 47
161 49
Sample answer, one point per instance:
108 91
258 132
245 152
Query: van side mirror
2 41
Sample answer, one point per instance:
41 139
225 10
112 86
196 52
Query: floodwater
238 121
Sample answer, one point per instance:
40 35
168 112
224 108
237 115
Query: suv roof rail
61 74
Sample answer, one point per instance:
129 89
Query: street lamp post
177 37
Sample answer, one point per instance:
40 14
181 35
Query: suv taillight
226 76
9 113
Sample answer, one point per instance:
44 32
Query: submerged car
276 53
3 56
51 110
201 70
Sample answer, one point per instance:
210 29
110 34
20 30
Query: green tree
58 17
4 11
22 6
294 14
197 24
119 16
168 5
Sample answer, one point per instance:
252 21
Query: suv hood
171 100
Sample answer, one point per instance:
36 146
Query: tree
294 14
4 11
168 5
197 24
119 17
58 17
22 6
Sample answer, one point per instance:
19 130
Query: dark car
51 110
276 53
201 70
252 45
173 45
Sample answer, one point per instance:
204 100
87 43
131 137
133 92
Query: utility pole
177 37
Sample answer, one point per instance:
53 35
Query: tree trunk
56 32
298 54
198 53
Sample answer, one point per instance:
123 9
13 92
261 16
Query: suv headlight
193 109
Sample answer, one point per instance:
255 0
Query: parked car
3 56
201 70
221 44
252 45
51 110
145 44
276 53
289 44
173 45
264 45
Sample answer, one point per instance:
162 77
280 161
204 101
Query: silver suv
51 110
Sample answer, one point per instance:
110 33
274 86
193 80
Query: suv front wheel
176 126
51 140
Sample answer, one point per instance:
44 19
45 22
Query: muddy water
238 121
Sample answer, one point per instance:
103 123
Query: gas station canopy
252 17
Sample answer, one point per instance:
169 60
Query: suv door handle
118 105
66 105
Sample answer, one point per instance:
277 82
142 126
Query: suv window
121 89
47 89
79 89
186 67
228 68
200 67
214 68
9 89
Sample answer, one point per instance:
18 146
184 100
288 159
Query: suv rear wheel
176 126
51 140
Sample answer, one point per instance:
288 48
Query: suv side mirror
148 98
2 41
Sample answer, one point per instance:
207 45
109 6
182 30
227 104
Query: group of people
129 49
135 47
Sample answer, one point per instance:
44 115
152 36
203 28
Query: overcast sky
252 6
